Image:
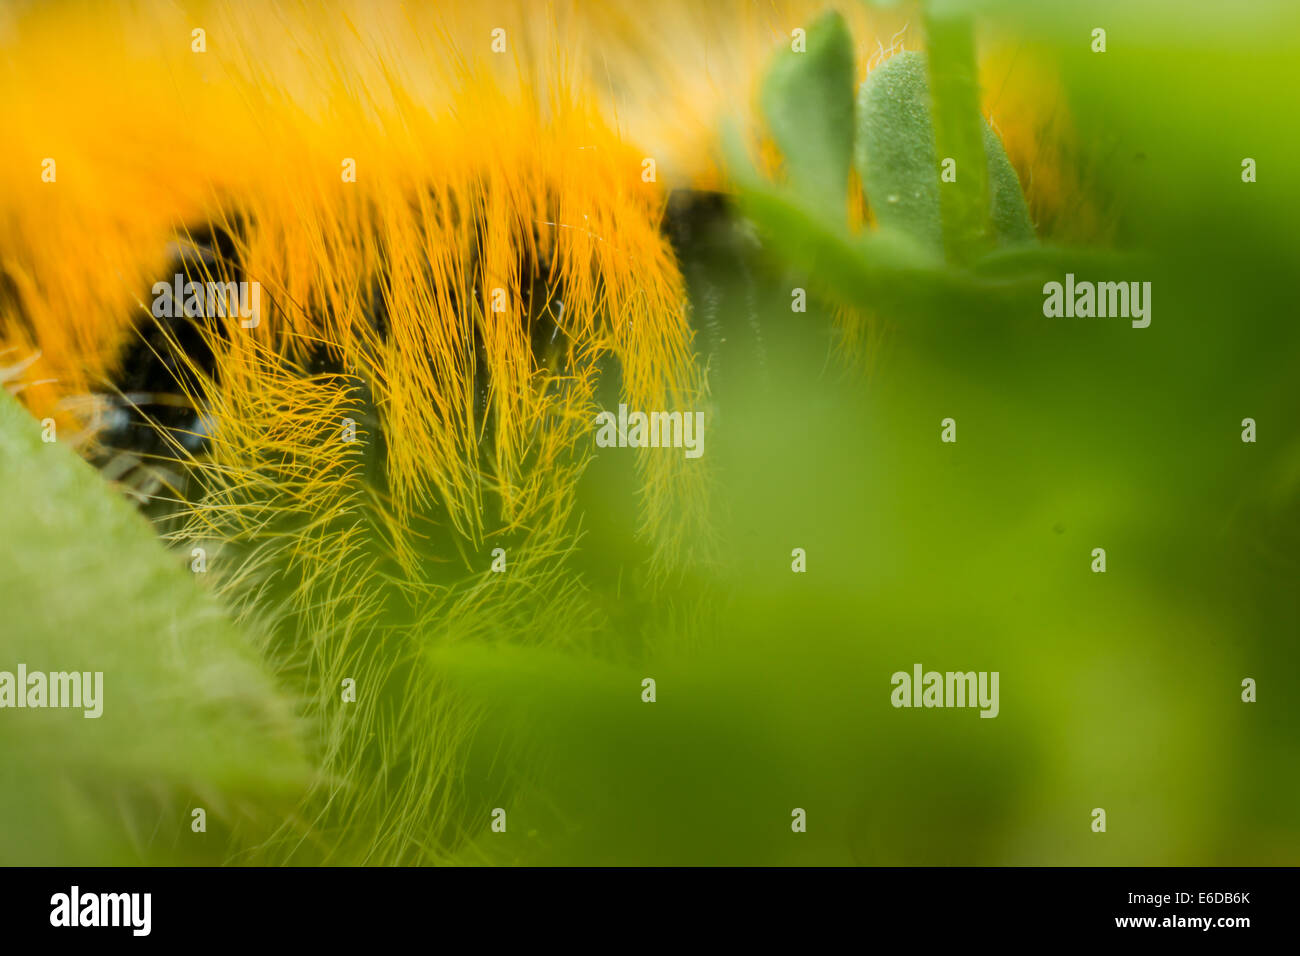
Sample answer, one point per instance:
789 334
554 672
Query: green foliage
900 269
807 100
1088 432
900 169
895 150
954 109
190 715
1007 208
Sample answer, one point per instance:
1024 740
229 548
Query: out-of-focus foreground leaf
190 718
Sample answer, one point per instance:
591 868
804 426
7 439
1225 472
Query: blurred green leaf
1008 212
807 99
954 107
188 710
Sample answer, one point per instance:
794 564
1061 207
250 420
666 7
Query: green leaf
897 160
1009 213
880 269
807 100
955 109
895 150
189 712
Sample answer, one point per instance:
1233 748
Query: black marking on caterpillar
145 414
714 244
